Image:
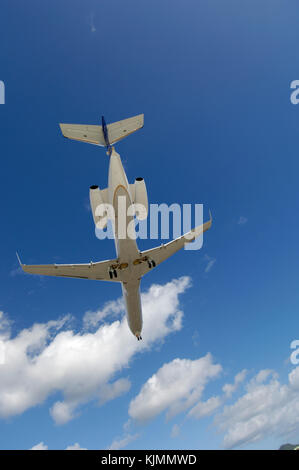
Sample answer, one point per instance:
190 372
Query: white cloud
229 389
127 425
75 446
242 220
203 409
62 412
195 338
175 387
51 357
5 326
122 442
210 264
267 408
112 391
113 308
40 446
206 408
175 430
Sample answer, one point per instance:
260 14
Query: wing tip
20 262
62 129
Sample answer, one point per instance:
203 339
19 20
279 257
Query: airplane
130 264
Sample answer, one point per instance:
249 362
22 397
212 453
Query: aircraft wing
160 253
97 271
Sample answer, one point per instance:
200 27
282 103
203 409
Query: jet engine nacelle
140 199
98 207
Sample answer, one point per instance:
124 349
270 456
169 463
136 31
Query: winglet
20 262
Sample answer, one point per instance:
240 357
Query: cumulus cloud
203 409
111 309
206 408
5 326
267 408
112 391
51 357
174 388
40 446
62 412
229 389
75 446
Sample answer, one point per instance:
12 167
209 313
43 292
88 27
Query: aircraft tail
103 135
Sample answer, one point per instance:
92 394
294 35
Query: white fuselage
126 247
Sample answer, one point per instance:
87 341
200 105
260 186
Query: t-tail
104 135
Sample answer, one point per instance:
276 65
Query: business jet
130 263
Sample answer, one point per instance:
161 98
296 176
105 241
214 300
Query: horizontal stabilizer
84 133
93 134
119 130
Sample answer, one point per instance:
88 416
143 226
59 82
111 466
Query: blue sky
213 80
